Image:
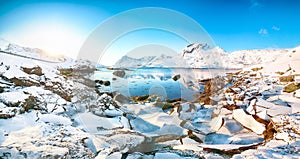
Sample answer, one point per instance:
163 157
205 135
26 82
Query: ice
168 155
58 115
248 121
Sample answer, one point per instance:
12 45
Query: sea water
157 81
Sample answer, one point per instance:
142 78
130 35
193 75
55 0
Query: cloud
275 28
263 31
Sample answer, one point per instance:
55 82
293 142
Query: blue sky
233 25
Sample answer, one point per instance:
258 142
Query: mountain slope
204 56
146 61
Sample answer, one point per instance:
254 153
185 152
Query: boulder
23 82
176 77
119 73
105 106
289 78
121 98
35 70
100 82
66 71
140 98
290 88
106 83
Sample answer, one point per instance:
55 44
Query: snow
3 44
93 123
248 121
55 119
115 155
286 152
92 126
26 136
203 56
13 97
185 146
297 93
160 119
129 62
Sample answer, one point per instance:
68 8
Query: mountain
51 109
26 52
146 61
129 62
203 56
253 57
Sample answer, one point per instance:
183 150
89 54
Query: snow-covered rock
105 106
48 108
39 139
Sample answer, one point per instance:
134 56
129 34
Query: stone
119 73
35 70
176 77
106 83
121 98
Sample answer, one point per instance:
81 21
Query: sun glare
55 40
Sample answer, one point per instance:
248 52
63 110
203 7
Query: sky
62 26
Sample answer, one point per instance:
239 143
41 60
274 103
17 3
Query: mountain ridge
203 56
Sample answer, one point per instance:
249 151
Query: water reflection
159 81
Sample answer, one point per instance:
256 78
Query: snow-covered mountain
33 53
203 56
48 110
146 61
199 55
242 58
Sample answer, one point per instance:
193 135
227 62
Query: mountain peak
191 47
146 61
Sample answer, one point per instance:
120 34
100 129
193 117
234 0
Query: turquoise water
158 81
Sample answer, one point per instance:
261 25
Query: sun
55 39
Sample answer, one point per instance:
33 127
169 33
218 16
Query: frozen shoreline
50 110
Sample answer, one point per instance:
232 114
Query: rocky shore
54 111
